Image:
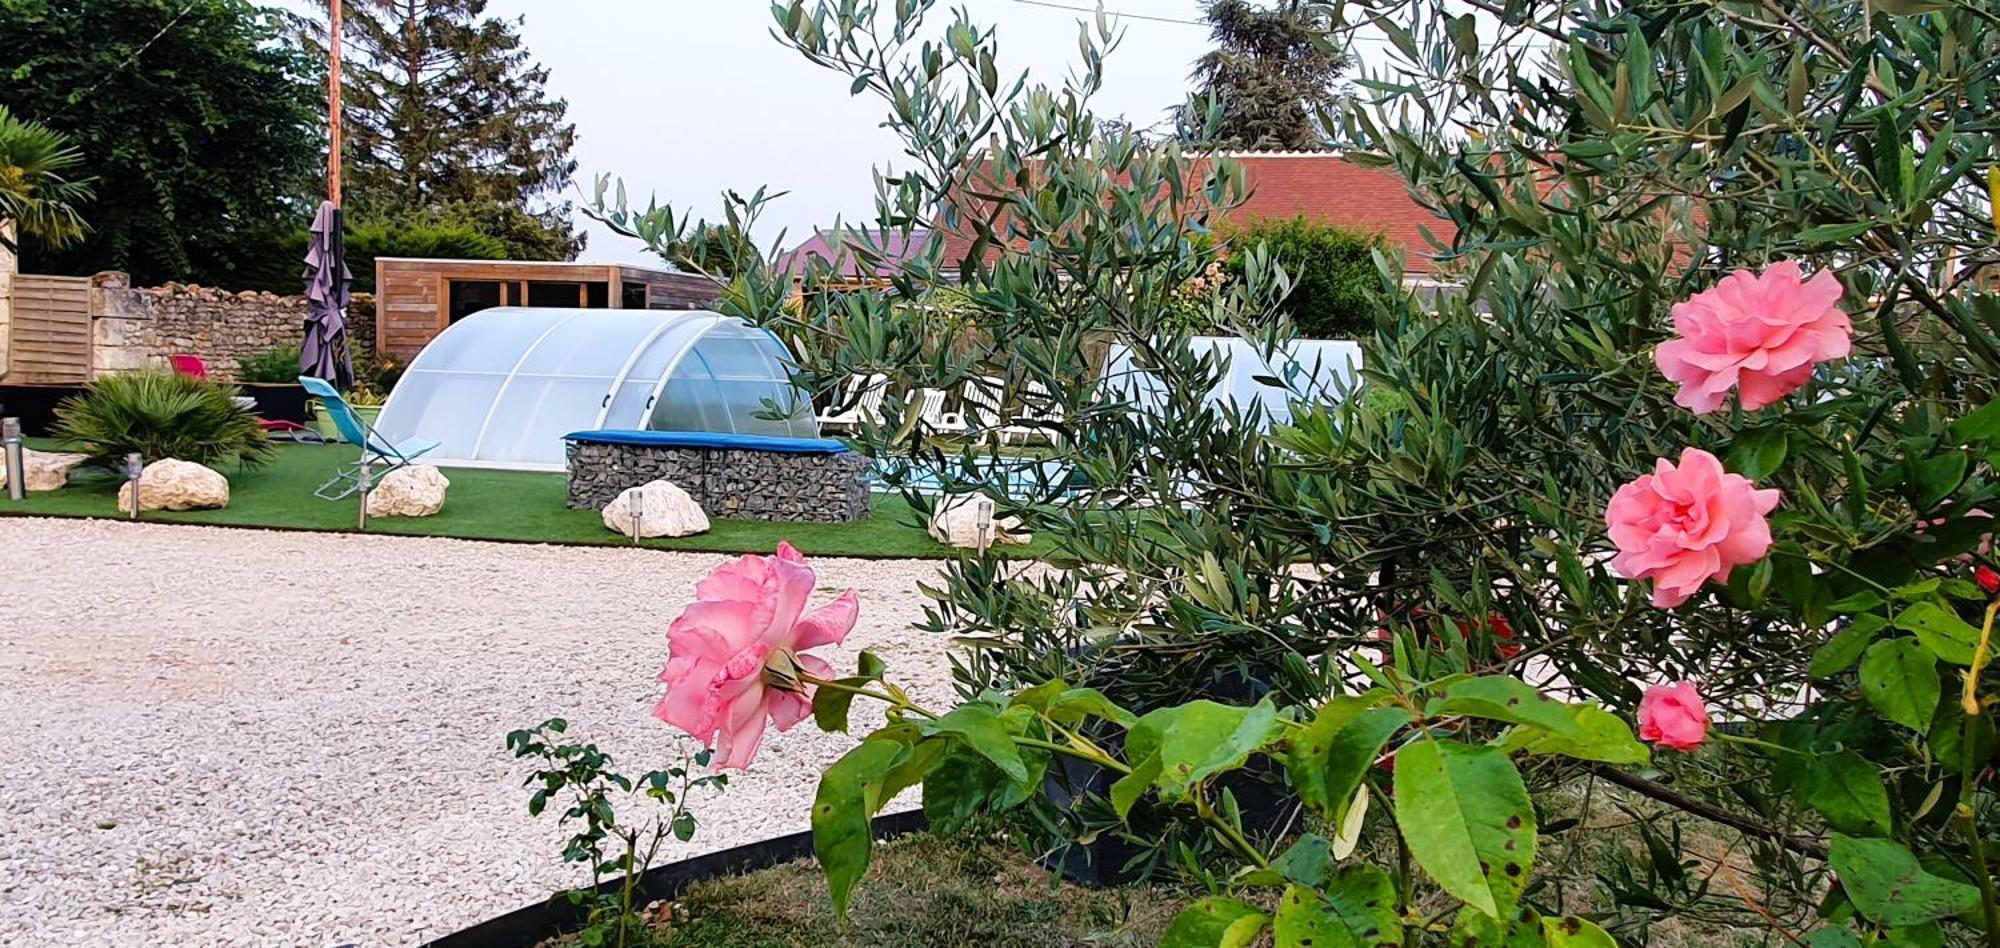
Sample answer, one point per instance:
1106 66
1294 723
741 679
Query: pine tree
1272 68
449 120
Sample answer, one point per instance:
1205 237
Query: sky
686 98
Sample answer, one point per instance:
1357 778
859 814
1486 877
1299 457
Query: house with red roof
1323 186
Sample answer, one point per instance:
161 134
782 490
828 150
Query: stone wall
729 484
135 328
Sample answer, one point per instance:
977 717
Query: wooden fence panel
50 336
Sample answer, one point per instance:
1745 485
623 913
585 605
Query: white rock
173 484
660 509
415 491
45 470
959 521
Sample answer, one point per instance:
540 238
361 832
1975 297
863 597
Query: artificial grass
967 891
480 505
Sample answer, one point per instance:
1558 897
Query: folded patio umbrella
324 353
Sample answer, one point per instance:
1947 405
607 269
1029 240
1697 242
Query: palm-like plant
38 190
161 415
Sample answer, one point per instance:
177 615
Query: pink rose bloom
1760 335
1682 526
1673 716
734 656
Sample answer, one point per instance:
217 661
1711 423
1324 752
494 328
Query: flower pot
278 402
323 420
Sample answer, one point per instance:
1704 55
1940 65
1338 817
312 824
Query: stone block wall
729 484
135 328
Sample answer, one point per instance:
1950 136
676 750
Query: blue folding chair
375 449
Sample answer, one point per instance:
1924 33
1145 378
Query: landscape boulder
45 470
415 491
958 521
173 484
655 509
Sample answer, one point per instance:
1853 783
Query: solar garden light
135 466
17 458
982 509
361 478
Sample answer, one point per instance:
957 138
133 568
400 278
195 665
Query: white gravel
225 737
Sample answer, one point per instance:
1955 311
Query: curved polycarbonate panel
1253 382
501 387
735 378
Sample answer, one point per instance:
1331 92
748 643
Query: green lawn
481 505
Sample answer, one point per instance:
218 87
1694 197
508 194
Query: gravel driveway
243 737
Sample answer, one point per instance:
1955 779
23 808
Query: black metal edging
534 924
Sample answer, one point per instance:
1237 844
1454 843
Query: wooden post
333 101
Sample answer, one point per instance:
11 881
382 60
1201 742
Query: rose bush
1217 581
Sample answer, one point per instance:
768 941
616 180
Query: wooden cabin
415 299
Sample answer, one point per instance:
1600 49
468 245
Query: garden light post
362 480
135 467
17 466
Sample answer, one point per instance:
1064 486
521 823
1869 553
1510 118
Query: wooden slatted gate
50 336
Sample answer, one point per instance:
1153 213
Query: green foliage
405 236
1272 72
199 122
160 415
278 366
448 117
579 779
39 191
1596 169
1336 292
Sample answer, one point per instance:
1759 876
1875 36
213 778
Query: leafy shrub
1336 290
161 415
367 240
278 366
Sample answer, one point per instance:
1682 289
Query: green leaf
1571 931
1601 736
1889 887
958 787
1832 233
1845 648
1132 786
1833 938
1198 740
1981 426
1934 478
1522 929
849 793
1467 819
1215 922
1501 698
980 728
830 705
1901 680
1077 703
1947 636
1308 861
1331 754
1758 452
1847 789
1358 910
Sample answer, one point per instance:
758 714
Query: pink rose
734 656
1760 335
1682 526
1673 716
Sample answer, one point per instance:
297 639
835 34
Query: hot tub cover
500 387
709 439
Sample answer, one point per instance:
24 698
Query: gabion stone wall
730 484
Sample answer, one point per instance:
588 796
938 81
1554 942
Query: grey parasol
324 353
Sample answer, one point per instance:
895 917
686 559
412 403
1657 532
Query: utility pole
333 101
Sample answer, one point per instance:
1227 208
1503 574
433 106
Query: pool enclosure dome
502 386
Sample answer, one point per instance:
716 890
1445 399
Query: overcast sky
685 98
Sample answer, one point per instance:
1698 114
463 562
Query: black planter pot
1259 788
534 924
35 405
278 402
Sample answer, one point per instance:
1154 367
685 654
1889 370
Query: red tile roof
1324 187
830 246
